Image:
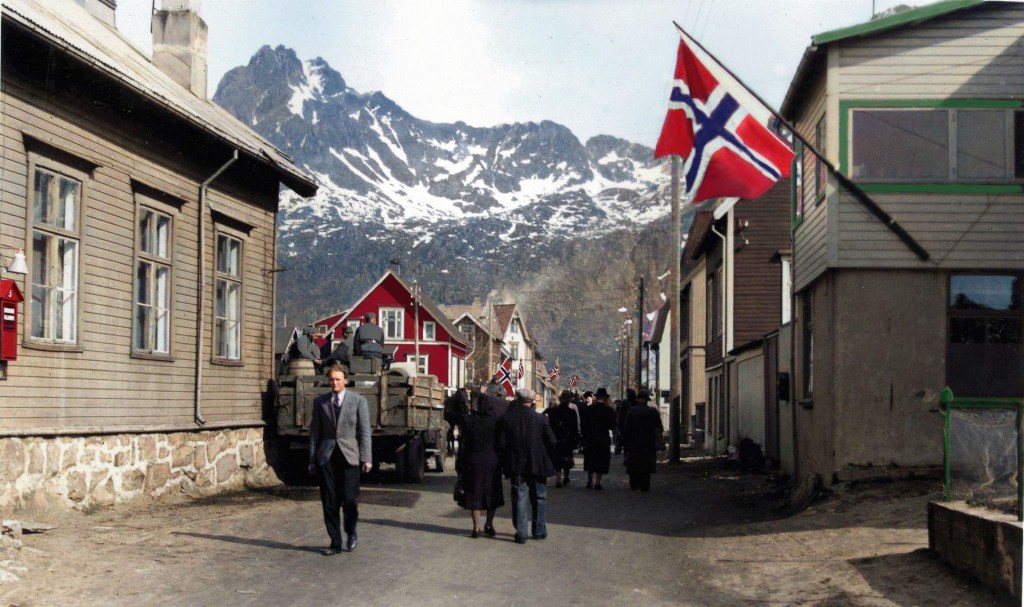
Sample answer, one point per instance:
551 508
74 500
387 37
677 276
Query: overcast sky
596 66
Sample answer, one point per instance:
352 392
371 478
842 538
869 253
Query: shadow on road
425 527
249 541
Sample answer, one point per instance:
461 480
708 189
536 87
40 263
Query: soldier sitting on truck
340 353
369 339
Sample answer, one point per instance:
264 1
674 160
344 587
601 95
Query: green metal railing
949 403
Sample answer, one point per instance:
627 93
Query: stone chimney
179 44
101 9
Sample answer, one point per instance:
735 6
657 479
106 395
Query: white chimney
179 44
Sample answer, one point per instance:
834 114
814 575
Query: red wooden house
413 324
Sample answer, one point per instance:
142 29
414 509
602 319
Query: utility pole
676 418
640 334
490 341
416 321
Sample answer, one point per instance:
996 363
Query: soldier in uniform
369 338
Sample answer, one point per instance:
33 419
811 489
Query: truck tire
415 460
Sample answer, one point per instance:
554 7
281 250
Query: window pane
162 304
900 144
144 285
68 205
220 299
146 231
41 291
141 324
163 236
967 330
1004 330
228 252
41 200
981 144
981 292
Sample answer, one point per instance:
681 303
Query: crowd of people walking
495 438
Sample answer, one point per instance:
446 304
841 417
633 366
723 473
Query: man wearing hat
341 351
525 443
641 435
598 421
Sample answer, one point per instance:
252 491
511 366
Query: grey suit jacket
351 434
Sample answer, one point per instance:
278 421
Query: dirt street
705 535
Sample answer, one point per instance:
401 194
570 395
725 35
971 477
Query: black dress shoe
350 545
489 530
520 540
540 537
475 534
330 550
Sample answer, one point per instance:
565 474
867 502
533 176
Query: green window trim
921 188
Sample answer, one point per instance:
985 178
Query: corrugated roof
69 26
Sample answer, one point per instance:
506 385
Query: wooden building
922 109
743 301
147 216
420 332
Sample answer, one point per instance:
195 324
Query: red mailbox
10 297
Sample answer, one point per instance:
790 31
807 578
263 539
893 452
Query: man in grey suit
339 450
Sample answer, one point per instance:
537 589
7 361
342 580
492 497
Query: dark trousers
339 492
640 480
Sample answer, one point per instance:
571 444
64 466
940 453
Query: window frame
145 203
1013 185
423 365
432 334
217 355
820 169
980 352
42 162
399 323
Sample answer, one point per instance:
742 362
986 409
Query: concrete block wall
86 472
981 542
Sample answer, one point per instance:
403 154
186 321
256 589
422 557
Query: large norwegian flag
720 130
504 376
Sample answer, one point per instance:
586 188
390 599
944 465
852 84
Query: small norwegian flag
555 372
504 376
574 380
522 370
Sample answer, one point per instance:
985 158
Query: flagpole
860 195
676 420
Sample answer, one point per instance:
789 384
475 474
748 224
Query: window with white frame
56 203
513 350
352 323
421 363
227 305
937 144
151 329
392 320
429 330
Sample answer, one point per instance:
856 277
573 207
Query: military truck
406 416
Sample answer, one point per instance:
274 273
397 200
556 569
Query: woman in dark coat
597 422
641 435
477 463
565 422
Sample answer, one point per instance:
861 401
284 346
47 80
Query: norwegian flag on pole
575 379
504 376
720 130
555 372
522 369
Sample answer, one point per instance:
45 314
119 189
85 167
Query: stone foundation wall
83 473
983 543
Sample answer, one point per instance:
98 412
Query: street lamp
17 264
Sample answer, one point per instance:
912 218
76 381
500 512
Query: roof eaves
910 17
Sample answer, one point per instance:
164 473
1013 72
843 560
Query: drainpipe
725 284
201 299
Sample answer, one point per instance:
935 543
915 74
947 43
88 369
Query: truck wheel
415 460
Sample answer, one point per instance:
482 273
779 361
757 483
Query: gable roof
503 316
814 57
425 303
68 26
699 230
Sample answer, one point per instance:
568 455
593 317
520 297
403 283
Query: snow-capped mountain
465 209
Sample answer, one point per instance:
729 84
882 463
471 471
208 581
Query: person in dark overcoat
369 338
477 463
623 409
597 421
641 436
525 444
565 423
456 407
